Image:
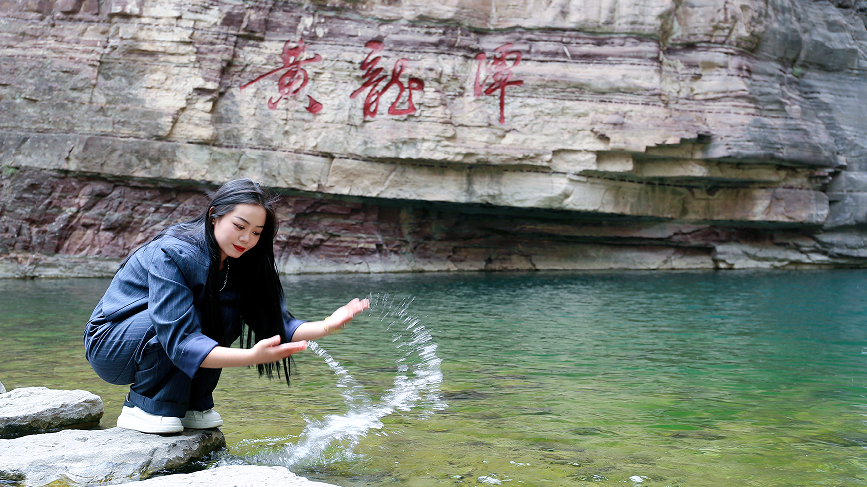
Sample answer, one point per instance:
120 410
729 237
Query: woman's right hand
271 350
265 351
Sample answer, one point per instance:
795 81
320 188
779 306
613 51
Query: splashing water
416 385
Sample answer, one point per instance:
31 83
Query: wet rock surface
31 410
84 457
233 476
89 457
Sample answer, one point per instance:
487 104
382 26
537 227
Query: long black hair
254 274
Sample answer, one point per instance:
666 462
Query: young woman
176 304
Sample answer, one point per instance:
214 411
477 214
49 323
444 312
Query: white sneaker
202 419
134 418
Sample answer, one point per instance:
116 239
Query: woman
176 304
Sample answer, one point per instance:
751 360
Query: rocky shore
52 437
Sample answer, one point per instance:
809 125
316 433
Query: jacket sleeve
174 315
290 323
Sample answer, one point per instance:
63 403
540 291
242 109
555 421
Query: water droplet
416 386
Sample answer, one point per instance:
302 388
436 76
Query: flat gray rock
112 456
233 476
32 410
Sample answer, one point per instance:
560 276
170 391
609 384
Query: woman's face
238 231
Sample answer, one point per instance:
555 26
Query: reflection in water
416 385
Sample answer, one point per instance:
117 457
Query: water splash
416 387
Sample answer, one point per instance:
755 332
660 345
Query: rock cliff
458 135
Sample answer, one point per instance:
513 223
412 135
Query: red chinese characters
295 78
499 72
373 77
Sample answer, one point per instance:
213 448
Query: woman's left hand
344 314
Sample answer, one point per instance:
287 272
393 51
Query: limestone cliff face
455 135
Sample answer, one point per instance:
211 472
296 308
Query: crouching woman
176 304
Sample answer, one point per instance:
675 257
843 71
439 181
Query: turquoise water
670 379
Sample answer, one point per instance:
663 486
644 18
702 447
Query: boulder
234 476
80 457
30 410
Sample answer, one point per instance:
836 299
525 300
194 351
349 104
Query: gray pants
128 352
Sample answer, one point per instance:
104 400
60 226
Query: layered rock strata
450 136
106 219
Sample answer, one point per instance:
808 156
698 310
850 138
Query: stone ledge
32 265
31 410
235 476
79 457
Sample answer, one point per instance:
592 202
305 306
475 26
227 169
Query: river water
609 378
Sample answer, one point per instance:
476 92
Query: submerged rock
114 455
235 475
31 410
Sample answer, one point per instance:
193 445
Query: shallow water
682 378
